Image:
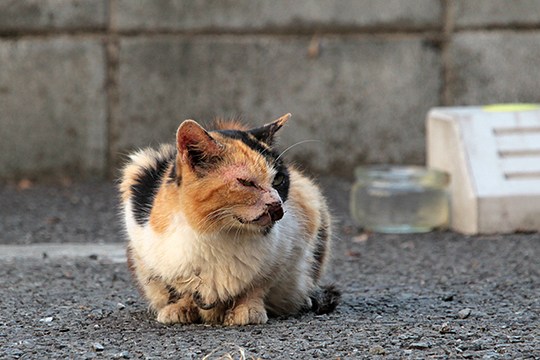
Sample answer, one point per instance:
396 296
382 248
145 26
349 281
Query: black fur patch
320 251
325 299
270 155
145 188
174 296
252 142
201 163
264 133
283 188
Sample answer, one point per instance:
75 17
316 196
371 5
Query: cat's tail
325 299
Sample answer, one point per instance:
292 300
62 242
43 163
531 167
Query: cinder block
481 13
277 14
358 99
21 15
494 67
52 107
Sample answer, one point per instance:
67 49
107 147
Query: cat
222 231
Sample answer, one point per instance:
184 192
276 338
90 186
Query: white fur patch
224 266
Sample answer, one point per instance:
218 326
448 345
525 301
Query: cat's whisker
294 145
218 215
230 226
239 232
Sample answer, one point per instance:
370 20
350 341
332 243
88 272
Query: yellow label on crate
511 107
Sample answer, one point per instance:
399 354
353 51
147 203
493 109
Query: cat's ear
196 147
266 133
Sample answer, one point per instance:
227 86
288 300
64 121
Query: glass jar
400 199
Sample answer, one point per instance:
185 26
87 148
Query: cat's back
307 196
307 199
141 178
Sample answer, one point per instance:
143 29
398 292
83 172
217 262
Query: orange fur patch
130 175
166 204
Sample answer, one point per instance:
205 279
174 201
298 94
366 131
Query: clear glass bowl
400 199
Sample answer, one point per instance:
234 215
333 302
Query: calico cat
222 231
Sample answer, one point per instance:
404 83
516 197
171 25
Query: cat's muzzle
273 213
275 210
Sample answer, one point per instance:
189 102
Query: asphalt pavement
66 292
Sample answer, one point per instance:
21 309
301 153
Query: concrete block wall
83 82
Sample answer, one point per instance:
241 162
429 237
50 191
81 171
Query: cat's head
231 180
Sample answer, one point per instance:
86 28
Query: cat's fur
222 231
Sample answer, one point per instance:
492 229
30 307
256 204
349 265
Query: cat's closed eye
246 183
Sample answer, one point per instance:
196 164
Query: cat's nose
275 210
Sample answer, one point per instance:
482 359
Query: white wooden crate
493 157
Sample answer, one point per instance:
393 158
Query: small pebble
491 355
445 328
29 344
120 306
420 345
360 238
121 355
98 347
95 314
47 319
448 297
476 346
463 314
377 350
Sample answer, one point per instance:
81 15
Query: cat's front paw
178 312
243 315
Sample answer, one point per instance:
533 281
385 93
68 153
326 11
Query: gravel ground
78 213
439 295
